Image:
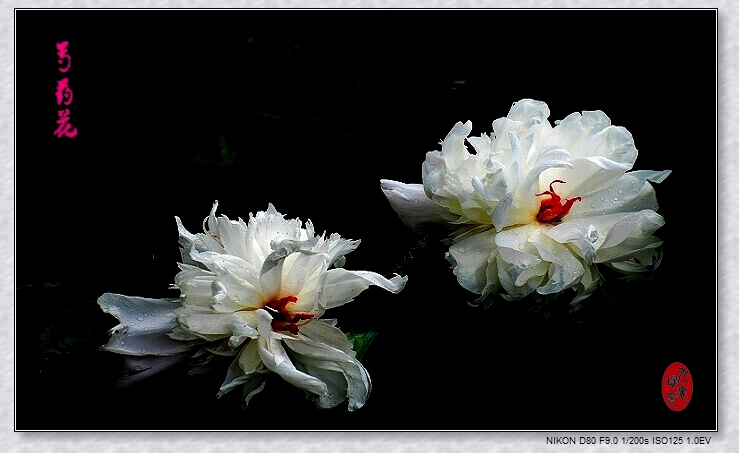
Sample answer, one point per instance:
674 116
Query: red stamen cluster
283 319
552 210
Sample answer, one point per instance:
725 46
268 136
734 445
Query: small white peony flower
255 291
538 208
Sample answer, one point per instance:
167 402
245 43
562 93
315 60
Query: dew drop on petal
140 318
592 233
615 198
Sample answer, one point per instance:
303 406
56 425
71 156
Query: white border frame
469 442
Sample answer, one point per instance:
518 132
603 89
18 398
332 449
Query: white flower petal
630 248
244 326
651 175
587 175
144 324
195 285
628 194
186 240
336 248
581 238
469 258
237 285
277 273
548 239
301 275
341 286
529 112
453 149
614 143
235 274
324 331
336 382
414 208
208 326
521 269
641 223
565 270
265 228
519 281
324 356
575 128
233 236
253 385
447 176
243 369
642 259
275 358
512 245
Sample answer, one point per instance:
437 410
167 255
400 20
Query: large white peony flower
537 208
255 291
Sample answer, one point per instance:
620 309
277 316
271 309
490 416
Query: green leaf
361 341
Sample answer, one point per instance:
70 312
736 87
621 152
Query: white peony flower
537 208
255 291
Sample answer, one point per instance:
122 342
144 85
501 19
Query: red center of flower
552 210
282 318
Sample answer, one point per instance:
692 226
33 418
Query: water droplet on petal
615 198
140 318
592 234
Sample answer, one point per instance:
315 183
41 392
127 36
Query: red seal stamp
677 386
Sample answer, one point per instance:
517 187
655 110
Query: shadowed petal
144 325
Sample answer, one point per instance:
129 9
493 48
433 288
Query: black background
315 107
